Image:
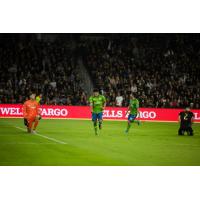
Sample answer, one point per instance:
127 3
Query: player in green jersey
134 111
38 99
97 104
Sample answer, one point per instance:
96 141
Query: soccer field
72 142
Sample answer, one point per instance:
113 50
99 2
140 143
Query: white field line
49 138
25 143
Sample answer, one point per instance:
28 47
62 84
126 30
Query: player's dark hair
95 90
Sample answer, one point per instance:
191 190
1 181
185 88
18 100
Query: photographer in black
186 119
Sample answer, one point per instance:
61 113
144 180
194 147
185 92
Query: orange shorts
31 119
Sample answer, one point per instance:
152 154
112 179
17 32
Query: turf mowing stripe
49 138
25 143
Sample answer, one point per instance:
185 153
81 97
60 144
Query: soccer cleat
126 131
33 131
28 130
95 131
138 122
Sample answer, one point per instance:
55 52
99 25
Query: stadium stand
39 66
162 69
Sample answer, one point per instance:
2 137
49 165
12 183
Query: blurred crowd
46 68
162 72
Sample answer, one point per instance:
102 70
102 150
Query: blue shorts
131 117
96 116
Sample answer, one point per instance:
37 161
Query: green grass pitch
72 142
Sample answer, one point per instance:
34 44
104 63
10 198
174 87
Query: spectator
163 71
119 99
42 67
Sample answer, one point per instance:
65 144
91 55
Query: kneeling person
97 104
186 119
31 113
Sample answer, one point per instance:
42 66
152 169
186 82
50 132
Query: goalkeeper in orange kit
31 114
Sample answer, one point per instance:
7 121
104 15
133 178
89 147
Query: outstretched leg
94 119
128 126
30 124
180 131
25 122
190 131
131 119
138 122
100 119
27 125
35 125
100 124
95 126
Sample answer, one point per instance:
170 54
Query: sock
95 126
137 121
128 126
35 125
30 125
100 124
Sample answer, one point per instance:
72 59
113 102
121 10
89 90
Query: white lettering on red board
54 112
196 116
146 115
10 111
119 114
113 113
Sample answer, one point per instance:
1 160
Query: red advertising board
83 112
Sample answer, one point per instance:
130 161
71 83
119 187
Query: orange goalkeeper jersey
31 109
